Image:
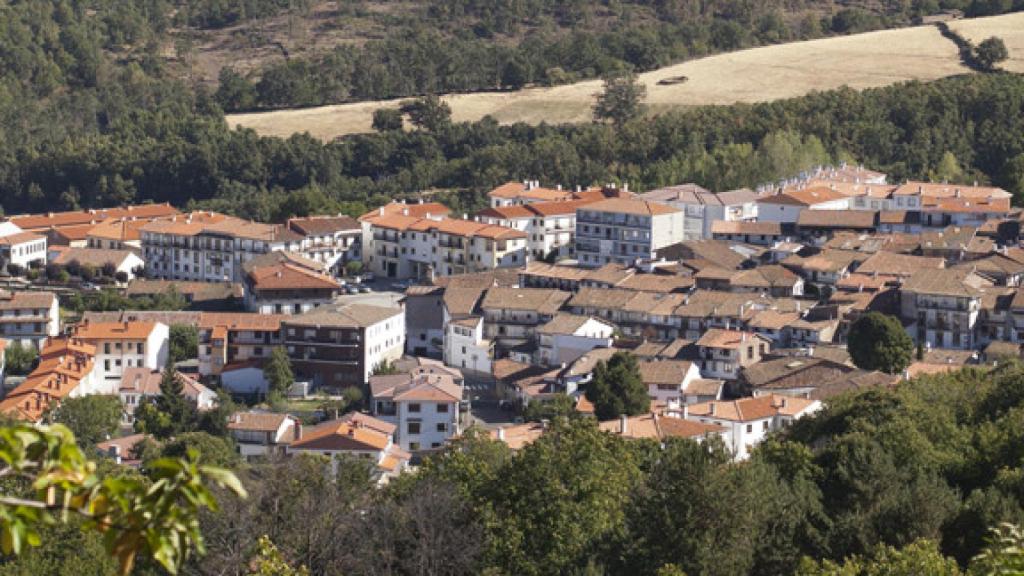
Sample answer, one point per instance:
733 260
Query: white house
465 346
125 261
123 345
787 206
424 406
138 384
21 248
262 433
750 420
354 435
724 352
566 337
245 377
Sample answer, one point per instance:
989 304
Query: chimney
623 424
711 408
298 430
686 411
405 211
380 211
501 434
558 187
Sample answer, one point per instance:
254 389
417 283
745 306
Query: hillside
760 74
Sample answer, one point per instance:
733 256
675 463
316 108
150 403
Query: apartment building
123 345
210 247
331 240
227 339
512 315
549 226
625 230
339 346
400 246
424 406
723 353
943 306
702 208
29 318
286 288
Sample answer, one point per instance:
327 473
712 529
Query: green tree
878 342
948 169
234 91
353 267
211 450
559 406
384 368
93 418
184 343
278 371
917 558
581 481
171 412
155 517
617 389
387 119
1004 553
20 360
270 562
622 98
428 113
990 52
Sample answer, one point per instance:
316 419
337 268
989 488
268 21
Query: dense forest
440 46
899 482
90 116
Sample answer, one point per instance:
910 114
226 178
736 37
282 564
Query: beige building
625 230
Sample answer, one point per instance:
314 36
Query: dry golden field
1009 27
760 74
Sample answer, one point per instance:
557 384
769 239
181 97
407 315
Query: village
734 305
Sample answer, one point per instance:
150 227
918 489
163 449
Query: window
750 428
765 427
435 444
414 407
414 446
412 428
442 408
442 427
750 352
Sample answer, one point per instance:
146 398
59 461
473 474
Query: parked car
367 277
365 289
401 285
352 289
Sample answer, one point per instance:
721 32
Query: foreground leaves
155 516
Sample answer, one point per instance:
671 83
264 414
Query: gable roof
323 225
657 427
95 257
290 277
631 206
893 264
803 197
838 219
352 315
750 409
541 300
722 338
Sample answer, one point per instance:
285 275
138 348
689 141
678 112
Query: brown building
340 346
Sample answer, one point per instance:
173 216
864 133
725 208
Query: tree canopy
879 342
616 388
